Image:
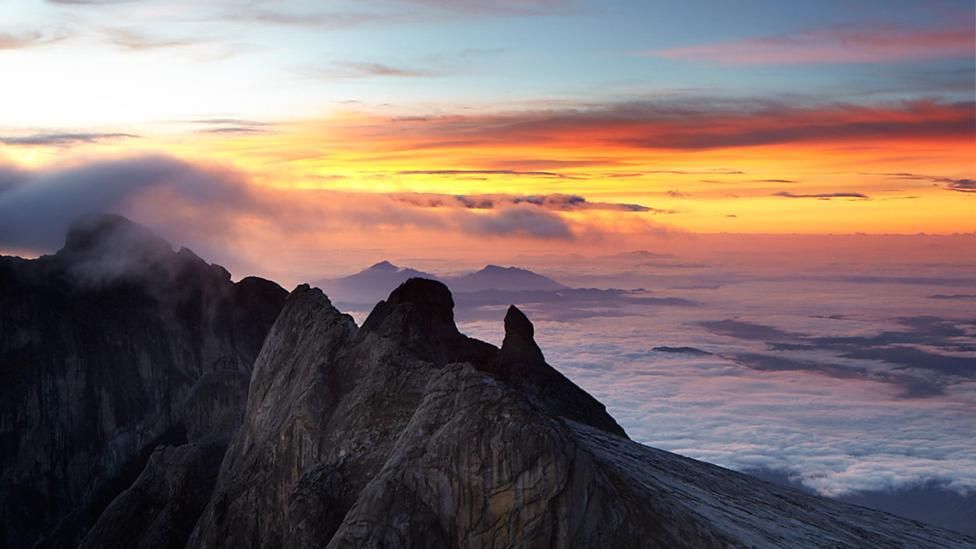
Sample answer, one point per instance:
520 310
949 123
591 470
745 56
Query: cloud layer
193 203
818 381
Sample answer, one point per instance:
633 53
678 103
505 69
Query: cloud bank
213 207
692 123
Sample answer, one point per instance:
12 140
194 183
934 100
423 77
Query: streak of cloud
834 45
555 202
555 175
28 39
133 40
63 139
362 69
823 196
959 184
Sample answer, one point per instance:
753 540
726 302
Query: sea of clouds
847 383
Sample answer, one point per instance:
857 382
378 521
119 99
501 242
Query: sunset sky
779 194
591 124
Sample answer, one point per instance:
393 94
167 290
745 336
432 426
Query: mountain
133 417
108 348
637 256
406 433
369 285
493 277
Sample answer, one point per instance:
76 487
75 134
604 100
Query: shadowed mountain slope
108 348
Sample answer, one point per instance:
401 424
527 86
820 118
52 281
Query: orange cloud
700 161
698 124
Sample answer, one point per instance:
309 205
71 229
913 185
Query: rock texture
112 346
405 433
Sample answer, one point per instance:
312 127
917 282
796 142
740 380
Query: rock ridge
384 436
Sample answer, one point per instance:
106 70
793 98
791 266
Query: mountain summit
371 284
383 266
494 277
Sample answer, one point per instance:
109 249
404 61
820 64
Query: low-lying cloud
555 202
901 349
216 209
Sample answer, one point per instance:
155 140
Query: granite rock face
405 433
112 346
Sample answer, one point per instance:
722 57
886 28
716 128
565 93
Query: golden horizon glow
882 183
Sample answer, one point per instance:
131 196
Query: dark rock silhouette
102 349
420 315
521 364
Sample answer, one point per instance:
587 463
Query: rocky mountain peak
383 266
420 313
521 364
519 343
424 292
418 301
104 249
103 234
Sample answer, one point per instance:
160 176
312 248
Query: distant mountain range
374 283
369 285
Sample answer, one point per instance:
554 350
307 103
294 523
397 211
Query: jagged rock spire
522 365
519 344
420 313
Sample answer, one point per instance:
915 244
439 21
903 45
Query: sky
285 130
800 175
